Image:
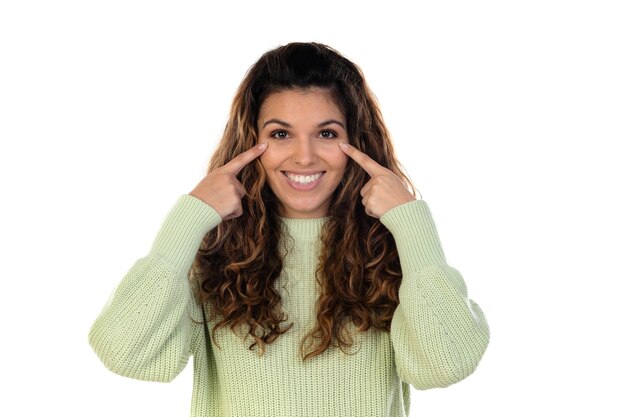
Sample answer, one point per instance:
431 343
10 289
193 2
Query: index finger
237 163
367 163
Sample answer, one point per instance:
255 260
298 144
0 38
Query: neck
303 229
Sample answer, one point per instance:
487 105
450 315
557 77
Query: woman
301 273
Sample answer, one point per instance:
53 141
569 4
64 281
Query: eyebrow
322 124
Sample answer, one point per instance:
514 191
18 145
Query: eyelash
334 134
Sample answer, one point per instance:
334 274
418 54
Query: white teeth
303 179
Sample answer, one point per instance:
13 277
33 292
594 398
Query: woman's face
303 162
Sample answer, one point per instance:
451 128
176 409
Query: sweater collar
304 229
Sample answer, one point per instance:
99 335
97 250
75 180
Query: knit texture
151 326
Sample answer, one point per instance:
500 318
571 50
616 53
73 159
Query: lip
303 187
303 172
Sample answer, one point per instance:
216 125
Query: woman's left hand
384 191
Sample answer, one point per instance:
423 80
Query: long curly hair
358 269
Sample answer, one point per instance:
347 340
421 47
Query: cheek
266 158
270 159
338 160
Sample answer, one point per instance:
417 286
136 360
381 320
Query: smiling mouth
303 179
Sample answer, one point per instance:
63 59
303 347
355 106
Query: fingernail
343 145
263 145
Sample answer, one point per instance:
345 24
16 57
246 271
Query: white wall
507 116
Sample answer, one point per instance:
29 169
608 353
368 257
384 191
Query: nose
304 152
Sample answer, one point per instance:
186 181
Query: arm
144 330
438 334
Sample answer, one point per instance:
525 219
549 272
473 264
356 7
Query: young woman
302 273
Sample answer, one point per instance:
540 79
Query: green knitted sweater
151 326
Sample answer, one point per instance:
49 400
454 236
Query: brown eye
328 134
279 134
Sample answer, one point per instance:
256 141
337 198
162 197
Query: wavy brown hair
239 261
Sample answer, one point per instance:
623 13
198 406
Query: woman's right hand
222 190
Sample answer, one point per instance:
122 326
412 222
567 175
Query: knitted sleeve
438 334
144 331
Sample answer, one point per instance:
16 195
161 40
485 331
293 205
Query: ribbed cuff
415 234
182 231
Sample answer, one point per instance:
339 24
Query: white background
507 115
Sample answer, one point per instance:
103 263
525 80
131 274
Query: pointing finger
240 161
368 164
240 189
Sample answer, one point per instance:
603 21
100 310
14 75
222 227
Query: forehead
299 102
